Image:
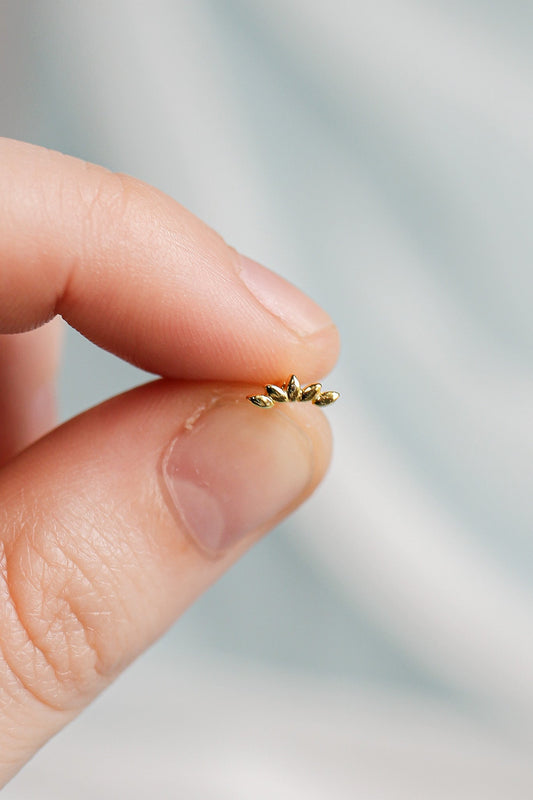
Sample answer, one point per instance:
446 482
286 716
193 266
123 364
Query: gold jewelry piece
292 392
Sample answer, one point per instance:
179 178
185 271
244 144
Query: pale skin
97 558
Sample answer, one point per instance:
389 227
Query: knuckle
104 198
106 209
54 642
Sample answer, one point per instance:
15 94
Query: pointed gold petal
261 400
326 398
294 390
311 391
277 394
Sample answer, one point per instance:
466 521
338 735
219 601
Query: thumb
113 523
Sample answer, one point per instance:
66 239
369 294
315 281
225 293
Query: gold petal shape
261 400
311 392
294 390
277 394
326 398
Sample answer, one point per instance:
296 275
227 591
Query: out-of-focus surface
380 156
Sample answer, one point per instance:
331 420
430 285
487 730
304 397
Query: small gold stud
261 400
326 398
311 392
277 394
292 392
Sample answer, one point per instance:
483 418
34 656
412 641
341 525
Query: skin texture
98 552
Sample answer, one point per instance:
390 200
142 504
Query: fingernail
299 313
235 471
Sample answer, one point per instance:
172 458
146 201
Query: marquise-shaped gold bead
276 393
294 390
261 400
326 398
311 391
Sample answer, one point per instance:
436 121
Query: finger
142 277
116 521
28 367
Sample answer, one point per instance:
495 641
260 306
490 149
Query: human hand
113 523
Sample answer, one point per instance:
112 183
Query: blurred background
379 155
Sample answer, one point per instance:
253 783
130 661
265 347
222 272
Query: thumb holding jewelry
114 523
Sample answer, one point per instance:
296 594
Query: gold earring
291 392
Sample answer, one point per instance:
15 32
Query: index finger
142 277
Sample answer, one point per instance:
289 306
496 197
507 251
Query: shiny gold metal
293 392
326 398
277 394
261 400
311 392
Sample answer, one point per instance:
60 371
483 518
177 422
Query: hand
114 522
